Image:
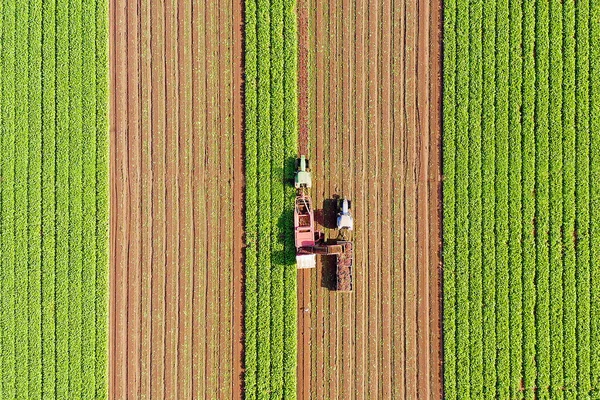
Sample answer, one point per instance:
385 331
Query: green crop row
53 199
594 129
521 148
271 140
582 195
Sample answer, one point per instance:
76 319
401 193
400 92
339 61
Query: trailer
304 231
344 278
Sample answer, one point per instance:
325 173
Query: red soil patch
177 207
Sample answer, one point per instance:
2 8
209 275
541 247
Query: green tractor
303 178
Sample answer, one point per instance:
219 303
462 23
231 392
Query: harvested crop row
519 223
271 140
54 199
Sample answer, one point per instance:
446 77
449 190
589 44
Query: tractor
303 178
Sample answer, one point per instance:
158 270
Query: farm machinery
311 242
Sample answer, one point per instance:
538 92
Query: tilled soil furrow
347 169
186 226
386 198
158 204
199 99
410 175
310 284
212 206
134 172
221 16
172 266
373 237
303 290
398 282
434 183
361 150
145 197
306 305
237 198
331 184
120 185
423 261
328 110
318 369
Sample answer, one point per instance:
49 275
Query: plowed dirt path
177 197
370 76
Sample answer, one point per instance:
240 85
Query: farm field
177 196
370 116
53 199
271 137
521 199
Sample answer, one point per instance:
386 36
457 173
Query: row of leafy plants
521 199
54 199
270 143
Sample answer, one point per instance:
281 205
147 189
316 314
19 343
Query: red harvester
310 242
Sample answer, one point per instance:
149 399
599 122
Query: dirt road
177 196
373 124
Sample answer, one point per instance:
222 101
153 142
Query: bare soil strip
372 75
435 196
303 288
177 199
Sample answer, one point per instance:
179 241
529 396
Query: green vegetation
53 199
521 199
271 140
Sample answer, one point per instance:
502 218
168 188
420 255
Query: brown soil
177 209
373 132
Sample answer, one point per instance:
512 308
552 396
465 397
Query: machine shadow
328 272
285 222
327 216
